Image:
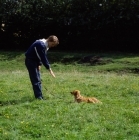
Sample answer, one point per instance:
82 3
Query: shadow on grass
16 101
111 60
96 59
6 55
70 57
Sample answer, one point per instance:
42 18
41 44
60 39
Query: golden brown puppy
79 98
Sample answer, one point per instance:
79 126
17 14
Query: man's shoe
39 98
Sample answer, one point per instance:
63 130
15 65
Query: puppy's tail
99 102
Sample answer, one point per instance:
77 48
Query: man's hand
39 68
51 72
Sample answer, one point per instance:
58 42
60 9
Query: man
36 55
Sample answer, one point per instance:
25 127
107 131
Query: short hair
53 38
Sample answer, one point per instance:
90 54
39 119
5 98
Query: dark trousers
34 75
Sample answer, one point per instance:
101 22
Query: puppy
79 98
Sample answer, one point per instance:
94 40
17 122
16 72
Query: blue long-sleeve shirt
37 52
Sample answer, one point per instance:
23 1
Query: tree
103 24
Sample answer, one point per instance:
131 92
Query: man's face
51 44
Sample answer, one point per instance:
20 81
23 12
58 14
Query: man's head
52 41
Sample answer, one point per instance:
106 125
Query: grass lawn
115 84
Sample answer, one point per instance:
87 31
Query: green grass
116 84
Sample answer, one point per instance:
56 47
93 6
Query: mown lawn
115 83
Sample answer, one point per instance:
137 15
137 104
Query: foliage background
81 24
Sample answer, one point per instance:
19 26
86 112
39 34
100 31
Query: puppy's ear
76 92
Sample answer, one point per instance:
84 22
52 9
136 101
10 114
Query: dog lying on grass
79 98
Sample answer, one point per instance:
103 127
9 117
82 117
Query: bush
80 24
